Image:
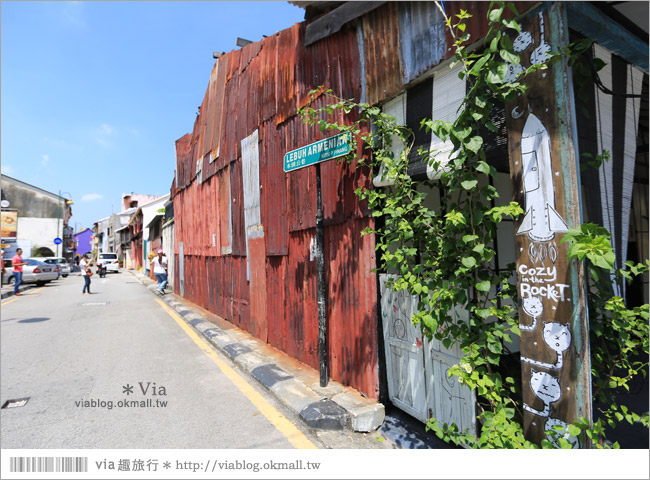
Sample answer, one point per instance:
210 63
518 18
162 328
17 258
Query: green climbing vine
444 253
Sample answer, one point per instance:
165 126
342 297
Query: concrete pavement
296 385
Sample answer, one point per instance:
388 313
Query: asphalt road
76 355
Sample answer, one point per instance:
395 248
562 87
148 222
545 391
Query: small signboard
327 149
57 241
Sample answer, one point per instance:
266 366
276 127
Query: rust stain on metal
260 87
381 52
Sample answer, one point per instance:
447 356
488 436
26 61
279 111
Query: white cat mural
553 434
534 308
558 337
547 388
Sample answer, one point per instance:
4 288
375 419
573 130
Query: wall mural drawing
552 425
534 308
541 220
547 388
546 313
558 337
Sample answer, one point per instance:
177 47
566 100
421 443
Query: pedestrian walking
2 259
17 263
86 272
159 266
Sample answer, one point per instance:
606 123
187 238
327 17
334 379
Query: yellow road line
9 301
288 429
21 295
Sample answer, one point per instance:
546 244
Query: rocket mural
541 220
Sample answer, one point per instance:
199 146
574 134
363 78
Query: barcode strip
48 464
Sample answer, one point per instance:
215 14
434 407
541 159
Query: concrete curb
21 289
334 407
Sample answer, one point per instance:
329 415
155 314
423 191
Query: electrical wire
603 88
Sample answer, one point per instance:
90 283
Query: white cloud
7 169
45 159
59 143
105 129
73 15
102 133
89 197
102 142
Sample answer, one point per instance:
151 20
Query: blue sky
94 94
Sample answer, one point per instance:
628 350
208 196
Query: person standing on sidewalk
17 263
160 270
86 272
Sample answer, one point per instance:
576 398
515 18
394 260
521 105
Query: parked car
64 267
35 272
110 261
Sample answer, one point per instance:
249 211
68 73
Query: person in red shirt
17 263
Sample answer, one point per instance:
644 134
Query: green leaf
495 15
509 57
483 286
469 238
497 74
509 23
476 68
469 184
461 133
474 144
483 167
469 262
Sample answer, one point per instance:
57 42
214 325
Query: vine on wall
445 255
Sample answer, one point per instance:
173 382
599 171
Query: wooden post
542 142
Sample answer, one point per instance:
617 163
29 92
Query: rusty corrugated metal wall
261 277
266 283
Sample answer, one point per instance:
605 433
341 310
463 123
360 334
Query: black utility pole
320 265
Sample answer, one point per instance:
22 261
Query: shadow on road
34 320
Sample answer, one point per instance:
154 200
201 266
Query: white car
110 260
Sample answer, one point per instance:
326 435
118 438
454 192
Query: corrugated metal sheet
273 184
422 37
381 43
285 75
260 87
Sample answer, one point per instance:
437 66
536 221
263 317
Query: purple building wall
83 242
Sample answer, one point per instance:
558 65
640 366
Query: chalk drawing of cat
558 337
556 434
533 307
546 388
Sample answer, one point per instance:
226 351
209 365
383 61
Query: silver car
35 272
64 267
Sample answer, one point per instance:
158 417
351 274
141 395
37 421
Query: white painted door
418 382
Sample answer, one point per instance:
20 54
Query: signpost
57 241
314 154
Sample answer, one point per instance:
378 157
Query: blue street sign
57 241
323 150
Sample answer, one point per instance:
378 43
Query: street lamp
68 201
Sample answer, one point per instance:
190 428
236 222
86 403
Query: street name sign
327 149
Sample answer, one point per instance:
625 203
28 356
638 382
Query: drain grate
19 402
93 304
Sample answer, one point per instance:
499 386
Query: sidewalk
296 385
8 290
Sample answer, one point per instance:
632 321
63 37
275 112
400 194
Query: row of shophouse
239 231
135 231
